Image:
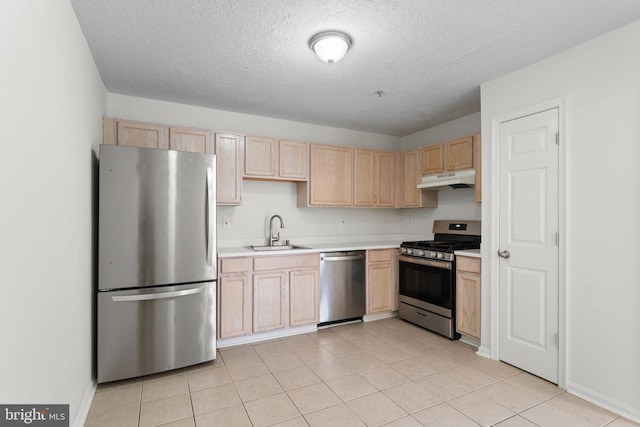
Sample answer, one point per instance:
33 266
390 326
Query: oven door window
426 283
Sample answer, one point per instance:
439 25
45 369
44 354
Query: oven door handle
444 265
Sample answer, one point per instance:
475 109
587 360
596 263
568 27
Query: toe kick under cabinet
263 293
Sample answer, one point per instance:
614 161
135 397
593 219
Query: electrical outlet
226 222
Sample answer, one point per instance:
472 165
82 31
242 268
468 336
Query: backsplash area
249 222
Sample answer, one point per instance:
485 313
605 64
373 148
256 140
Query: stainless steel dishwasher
342 286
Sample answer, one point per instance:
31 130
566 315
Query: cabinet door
379 287
260 157
146 135
432 159
109 131
412 196
235 305
294 160
330 178
303 297
411 178
477 142
468 304
460 154
363 177
229 154
268 301
192 140
385 179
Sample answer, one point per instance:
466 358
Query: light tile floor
386 372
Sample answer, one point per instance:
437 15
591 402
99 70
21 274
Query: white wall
260 200
50 109
458 128
134 108
600 84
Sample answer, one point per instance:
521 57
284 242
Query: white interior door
528 255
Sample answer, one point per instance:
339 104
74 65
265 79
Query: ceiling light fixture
330 46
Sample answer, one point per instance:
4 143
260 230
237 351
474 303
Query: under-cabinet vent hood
461 179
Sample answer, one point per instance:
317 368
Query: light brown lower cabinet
269 301
260 294
303 297
234 297
381 282
468 296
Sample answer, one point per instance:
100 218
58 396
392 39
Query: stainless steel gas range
427 280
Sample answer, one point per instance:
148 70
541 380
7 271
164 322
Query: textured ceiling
252 56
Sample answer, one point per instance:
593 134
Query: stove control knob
440 255
432 255
419 253
409 251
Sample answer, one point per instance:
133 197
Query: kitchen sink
275 247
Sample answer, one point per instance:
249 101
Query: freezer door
157 217
151 330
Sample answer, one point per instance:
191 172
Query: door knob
504 254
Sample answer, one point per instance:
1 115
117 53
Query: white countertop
473 253
317 247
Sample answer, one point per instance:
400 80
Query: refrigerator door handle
161 295
210 216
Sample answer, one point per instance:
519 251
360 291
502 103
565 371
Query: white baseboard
264 336
85 405
605 402
473 342
484 352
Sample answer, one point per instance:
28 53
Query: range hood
461 179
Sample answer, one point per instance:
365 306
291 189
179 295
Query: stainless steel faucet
277 237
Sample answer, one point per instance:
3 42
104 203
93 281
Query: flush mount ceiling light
330 46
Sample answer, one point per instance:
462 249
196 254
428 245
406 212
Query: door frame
491 241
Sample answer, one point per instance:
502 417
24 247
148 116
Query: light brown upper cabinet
477 142
260 157
153 135
330 177
229 156
373 178
294 160
196 141
460 154
449 156
410 196
432 159
134 134
268 158
363 178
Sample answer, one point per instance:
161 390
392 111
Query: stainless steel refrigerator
156 302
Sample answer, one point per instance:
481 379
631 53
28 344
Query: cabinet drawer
380 255
469 264
263 263
234 265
